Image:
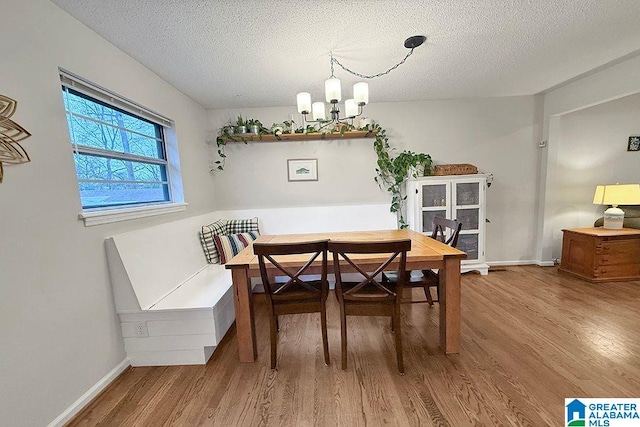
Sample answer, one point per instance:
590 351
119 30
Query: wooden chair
296 295
431 279
369 297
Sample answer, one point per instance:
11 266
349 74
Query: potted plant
241 126
391 171
255 126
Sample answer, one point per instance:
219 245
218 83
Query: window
119 148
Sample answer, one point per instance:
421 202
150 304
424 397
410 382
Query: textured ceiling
256 53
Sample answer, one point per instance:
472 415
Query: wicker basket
457 169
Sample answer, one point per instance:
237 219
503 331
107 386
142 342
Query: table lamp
614 195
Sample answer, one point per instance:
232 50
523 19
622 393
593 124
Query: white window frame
103 215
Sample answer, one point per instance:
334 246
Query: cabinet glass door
467 193
469 243
427 219
434 195
470 218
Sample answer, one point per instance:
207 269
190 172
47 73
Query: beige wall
58 328
498 135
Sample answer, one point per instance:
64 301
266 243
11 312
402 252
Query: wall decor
634 143
11 133
302 169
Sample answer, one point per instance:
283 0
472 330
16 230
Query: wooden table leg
247 350
450 306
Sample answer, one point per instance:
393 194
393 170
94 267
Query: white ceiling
258 53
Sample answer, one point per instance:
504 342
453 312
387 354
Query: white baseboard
90 394
521 262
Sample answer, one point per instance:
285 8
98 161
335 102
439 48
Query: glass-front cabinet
460 197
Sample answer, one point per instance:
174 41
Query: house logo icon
576 413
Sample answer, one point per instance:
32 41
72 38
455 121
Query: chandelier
333 92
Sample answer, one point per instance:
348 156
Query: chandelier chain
371 76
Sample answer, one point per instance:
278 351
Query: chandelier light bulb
304 102
332 90
361 93
319 111
350 108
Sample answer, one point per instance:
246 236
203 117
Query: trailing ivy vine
392 171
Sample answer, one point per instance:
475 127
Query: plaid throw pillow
206 238
236 226
230 245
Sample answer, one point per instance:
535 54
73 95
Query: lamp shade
361 93
332 90
617 194
304 102
350 108
318 111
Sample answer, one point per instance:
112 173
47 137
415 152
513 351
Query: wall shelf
250 137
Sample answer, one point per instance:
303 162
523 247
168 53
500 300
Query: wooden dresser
601 255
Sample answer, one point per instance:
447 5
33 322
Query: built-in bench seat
174 308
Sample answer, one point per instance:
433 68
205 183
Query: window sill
125 214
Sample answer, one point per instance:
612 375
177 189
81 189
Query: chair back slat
440 228
369 288
266 253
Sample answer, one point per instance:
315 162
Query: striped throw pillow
206 238
230 245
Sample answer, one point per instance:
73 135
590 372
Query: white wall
498 135
612 83
59 333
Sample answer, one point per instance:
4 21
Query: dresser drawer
630 271
618 247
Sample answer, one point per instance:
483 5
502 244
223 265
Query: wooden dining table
426 253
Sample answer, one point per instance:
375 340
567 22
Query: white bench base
176 336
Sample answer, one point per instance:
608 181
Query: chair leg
398 336
274 339
277 324
427 293
325 343
343 329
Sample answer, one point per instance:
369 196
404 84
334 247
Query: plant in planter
392 171
235 133
255 126
241 126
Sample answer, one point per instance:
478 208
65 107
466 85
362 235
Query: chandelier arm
335 117
371 76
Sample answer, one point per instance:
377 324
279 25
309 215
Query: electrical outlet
140 329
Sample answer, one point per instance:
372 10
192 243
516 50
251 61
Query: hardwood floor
530 337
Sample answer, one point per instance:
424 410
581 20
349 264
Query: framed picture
634 143
302 169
